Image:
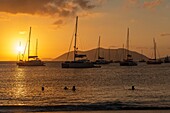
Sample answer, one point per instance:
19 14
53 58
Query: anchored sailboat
167 59
32 60
155 60
80 60
129 60
100 59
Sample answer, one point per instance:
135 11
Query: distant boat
155 60
80 60
100 60
117 56
129 60
167 59
32 60
142 59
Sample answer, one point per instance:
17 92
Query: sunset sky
53 23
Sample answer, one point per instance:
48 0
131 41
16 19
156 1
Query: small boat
32 60
100 59
155 60
129 60
80 60
142 59
167 59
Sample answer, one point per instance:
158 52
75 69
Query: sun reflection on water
19 86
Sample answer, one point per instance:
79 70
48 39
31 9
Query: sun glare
20 49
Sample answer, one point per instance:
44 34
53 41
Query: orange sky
53 23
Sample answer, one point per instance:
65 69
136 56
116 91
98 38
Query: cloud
22 32
61 8
165 34
133 1
84 4
4 17
58 22
143 4
152 4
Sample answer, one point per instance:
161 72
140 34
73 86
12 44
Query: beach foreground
117 111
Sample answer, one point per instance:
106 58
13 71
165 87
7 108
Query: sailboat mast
29 43
127 43
75 45
75 42
99 48
154 47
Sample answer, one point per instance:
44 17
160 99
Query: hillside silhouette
115 54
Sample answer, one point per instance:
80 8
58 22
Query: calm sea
106 88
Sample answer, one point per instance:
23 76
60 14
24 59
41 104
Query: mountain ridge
115 54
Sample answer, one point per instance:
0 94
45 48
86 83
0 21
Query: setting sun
20 48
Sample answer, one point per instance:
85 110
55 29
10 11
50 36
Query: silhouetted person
133 87
42 88
65 88
74 88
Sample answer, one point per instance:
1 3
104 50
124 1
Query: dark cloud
61 8
84 4
58 22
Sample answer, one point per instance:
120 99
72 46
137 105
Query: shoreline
82 109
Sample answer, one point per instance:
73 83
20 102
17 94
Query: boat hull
77 65
154 62
128 63
166 61
31 63
101 62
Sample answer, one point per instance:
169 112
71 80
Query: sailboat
100 59
129 60
32 60
155 60
167 59
80 60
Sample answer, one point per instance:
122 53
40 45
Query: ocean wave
117 105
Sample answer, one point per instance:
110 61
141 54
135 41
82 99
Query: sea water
105 88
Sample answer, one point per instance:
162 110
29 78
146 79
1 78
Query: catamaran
129 60
100 59
80 60
32 60
155 60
